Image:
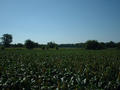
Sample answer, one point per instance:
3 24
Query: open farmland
63 69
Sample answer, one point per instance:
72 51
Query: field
63 69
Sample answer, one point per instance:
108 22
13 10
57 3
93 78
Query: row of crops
64 69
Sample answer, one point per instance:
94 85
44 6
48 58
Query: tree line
7 39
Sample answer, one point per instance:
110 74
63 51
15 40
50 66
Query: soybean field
63 69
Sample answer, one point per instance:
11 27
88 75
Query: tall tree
6 39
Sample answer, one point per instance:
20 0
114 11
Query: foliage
102 45
6 39
51 44
64 69
110 44
93 45
43 47
80 45
118 45
17 45
20 45
29 44
47 47
57 48
2 48
36 45
68 45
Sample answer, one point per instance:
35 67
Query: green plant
29 44
2 48
60 69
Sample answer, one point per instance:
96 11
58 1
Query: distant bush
111 44
43 47
29 44
47 47
57 48
2 48
79 45
118 45
51 44
93 45
20 45
102 45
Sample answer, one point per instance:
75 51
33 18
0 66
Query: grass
63 69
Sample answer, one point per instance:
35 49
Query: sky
60 21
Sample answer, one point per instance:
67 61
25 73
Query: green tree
93 45
6 39
118 45
110 44
102 45
51 44
29 44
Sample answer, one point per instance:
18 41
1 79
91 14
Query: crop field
63 69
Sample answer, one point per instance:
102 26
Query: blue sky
62 21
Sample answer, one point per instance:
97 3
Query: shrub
52 44
110 44
47 47
43 47
118 45
57 48
29 44
2 48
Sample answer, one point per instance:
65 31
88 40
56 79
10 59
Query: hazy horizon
61 21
